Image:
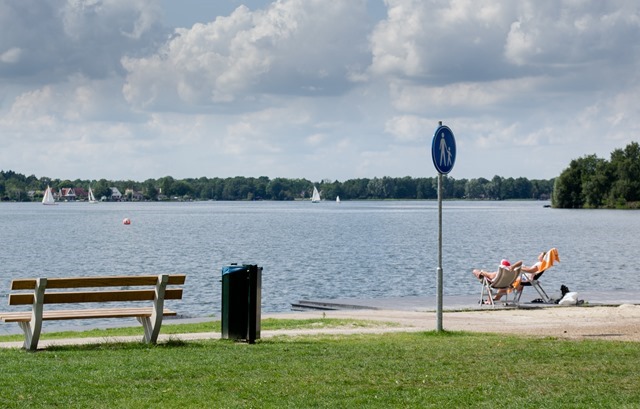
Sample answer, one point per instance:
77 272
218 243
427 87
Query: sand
611 323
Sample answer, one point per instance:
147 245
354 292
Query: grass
211 326
404 370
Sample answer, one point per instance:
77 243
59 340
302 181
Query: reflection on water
324 250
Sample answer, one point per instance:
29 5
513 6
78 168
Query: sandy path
620 323
614 323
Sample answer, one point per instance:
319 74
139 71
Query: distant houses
67 194
116 196
78 194
134 196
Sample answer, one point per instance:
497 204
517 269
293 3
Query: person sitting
529 272
490 275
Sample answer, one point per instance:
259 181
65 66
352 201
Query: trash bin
241 299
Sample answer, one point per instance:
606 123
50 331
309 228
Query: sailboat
337 199
48 197
316 196
92 198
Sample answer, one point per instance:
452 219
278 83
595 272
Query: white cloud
440 41
58 38
408 127
11 56
293 47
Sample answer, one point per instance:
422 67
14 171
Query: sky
315 89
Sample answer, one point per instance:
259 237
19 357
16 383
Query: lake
362 249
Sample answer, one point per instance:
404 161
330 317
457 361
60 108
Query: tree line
592 182
17 187
588 182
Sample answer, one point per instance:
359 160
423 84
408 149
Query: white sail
92 198
316 196
337 199
48 197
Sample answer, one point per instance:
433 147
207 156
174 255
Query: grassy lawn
211 326
404 370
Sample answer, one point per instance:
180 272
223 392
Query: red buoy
126 221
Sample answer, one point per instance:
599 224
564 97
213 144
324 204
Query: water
323 250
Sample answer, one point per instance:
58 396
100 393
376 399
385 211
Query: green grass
212 326
403 370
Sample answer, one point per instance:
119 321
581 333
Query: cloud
293 47
408 127
440 41
530 66
49 41
11 56
573 33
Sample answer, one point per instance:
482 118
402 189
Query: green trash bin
241 300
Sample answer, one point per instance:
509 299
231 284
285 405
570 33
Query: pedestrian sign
443 149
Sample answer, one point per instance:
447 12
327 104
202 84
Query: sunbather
531 271
545 260
490 275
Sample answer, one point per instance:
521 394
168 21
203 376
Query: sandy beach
620 323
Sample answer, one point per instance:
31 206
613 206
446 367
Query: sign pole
439 270
443 153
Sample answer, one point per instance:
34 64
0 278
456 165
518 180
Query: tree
596 186
625 166
101 188
150 192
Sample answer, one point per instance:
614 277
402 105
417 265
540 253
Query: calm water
324 250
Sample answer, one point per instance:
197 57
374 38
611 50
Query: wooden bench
92 290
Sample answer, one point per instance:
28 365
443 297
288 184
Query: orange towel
549 259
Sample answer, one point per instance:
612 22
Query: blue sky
138 89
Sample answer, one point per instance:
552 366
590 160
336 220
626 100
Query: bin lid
234 269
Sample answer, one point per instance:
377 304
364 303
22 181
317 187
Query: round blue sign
443 149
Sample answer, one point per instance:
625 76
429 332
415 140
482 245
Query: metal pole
439 270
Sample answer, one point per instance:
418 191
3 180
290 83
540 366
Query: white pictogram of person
443 150
449 162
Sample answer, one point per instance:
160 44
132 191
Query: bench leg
148 329
32 328
31 335
152 324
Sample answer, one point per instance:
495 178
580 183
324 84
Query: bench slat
104 281
82 314
95 296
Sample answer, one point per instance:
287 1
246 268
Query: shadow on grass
107 345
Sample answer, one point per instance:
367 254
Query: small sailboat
337 199
316 196
92 198
48 197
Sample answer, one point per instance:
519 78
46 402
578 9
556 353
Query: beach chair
549 259
503 281
536 285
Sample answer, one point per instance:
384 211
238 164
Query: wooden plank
86 314
22 314
94 296
23 284
102 281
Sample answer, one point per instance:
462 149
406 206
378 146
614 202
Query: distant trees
15 187
592 182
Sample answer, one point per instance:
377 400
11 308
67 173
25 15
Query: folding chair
503 281
550 257
536 285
